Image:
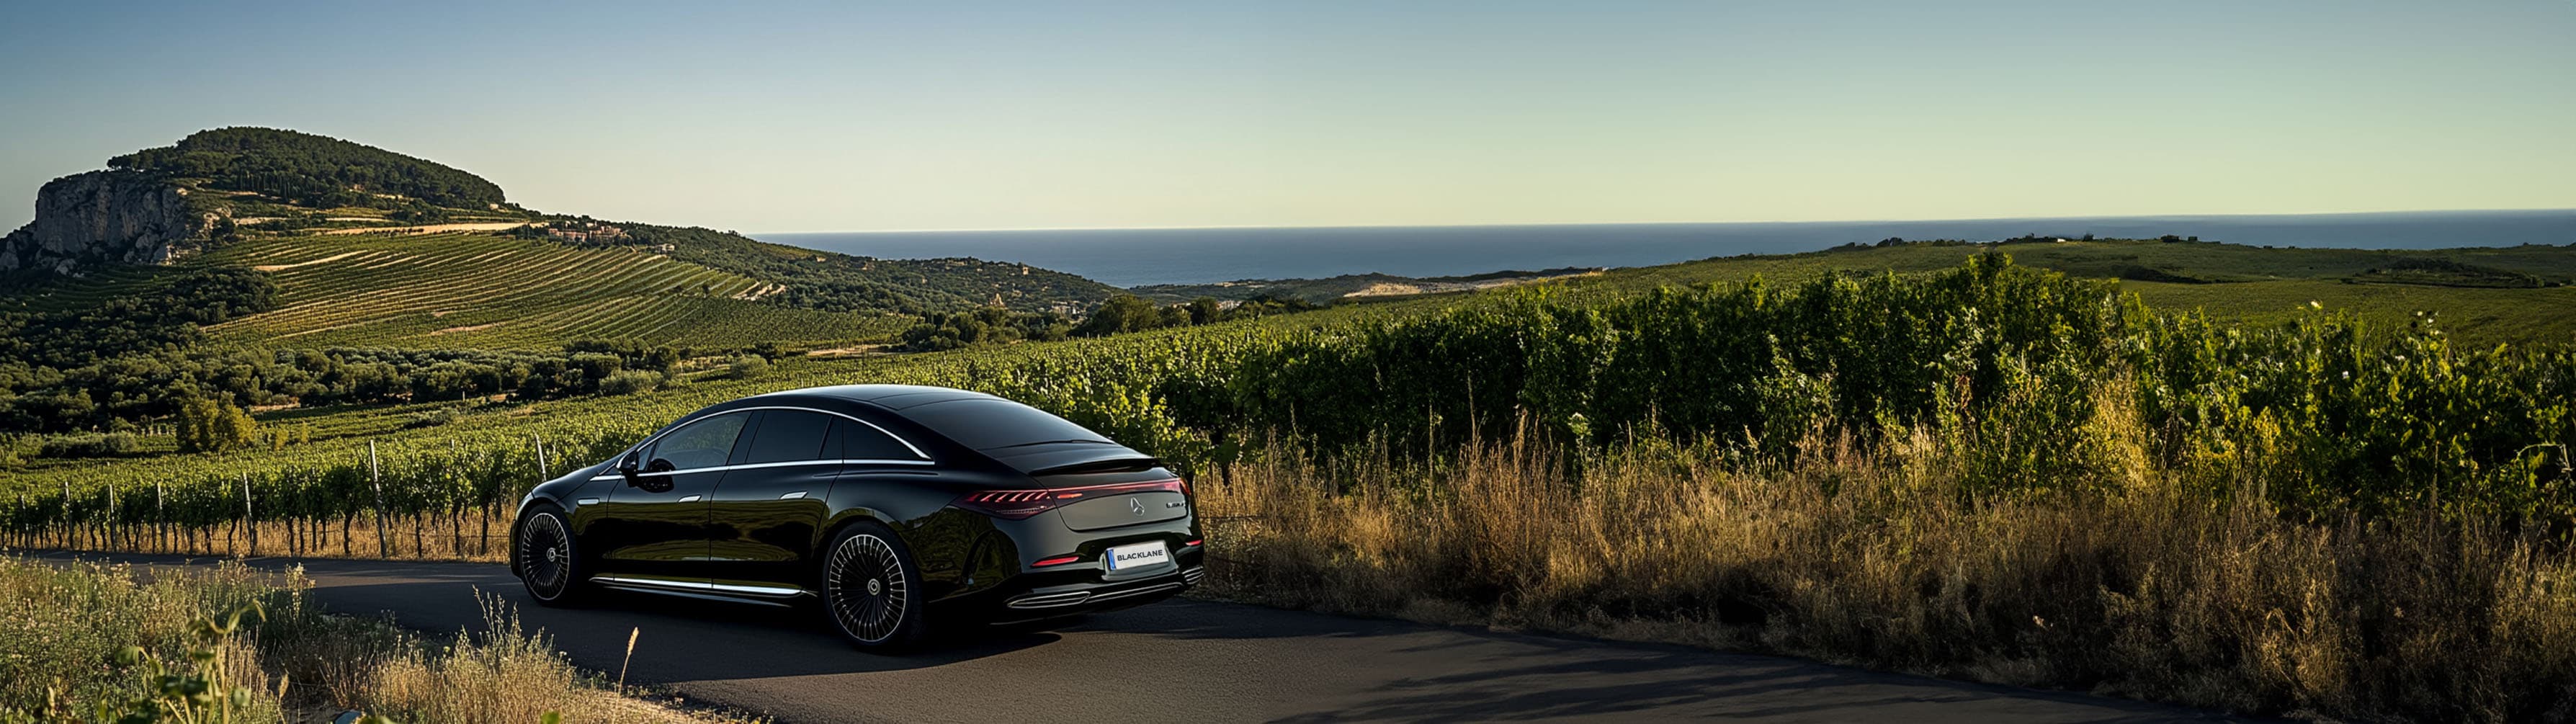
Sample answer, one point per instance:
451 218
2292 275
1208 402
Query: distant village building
587 233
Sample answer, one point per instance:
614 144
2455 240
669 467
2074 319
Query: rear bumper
1000 581
1103 594
1048 594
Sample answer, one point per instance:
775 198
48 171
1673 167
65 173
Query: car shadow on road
1662 685
677 639
1477 674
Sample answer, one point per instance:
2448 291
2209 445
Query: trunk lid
1061 458
1126 509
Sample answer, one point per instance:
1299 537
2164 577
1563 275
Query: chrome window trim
924 458
790 463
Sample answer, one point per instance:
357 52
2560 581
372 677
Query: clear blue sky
1078 114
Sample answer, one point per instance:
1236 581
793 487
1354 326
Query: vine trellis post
384 544
250 523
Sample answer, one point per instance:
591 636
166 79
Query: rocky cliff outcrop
102 218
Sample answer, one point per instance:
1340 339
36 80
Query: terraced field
96 287
459 290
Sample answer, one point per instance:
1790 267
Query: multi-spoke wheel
544 551
871 590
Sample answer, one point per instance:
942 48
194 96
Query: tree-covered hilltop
307 169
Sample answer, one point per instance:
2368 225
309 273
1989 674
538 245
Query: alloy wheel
545 556
869 595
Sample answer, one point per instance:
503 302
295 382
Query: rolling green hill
2512 294
843 283
462 290
1352 286
2486 295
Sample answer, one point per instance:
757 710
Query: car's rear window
987 424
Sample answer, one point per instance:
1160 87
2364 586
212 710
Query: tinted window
861 442
989 424
789 436
702 444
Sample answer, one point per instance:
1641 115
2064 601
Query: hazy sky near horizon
812 117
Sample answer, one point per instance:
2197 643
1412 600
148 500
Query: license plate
1139 555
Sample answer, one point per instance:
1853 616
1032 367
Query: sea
1134 257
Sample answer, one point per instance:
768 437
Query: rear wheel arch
831 529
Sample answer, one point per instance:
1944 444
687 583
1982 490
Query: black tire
543 552
872 588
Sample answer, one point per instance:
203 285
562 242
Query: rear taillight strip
1019 504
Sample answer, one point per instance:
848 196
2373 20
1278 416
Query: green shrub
433 418
113 444
628 382
747 367
206 425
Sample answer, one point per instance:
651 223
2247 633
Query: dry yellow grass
61 625
503 675
2133 585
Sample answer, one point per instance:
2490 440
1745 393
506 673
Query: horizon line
1219 227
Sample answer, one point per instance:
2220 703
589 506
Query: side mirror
626 468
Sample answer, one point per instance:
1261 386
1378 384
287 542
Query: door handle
792 496
688 498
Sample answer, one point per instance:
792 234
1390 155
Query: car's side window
702 444
789 436
859 441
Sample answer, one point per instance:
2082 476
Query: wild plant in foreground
232 644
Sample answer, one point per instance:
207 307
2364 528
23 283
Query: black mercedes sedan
888 505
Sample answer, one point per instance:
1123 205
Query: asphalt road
1184 661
